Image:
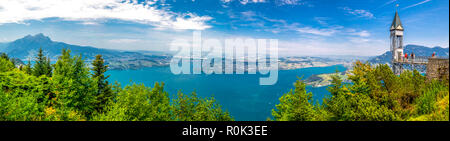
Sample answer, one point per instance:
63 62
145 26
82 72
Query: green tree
6 57
192 108
296 105
21 97
27 68
336 85
139 103
428 102
73 87
104 92
72 93
42 65
6 65
365 98
358 107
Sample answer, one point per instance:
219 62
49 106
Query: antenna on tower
396 7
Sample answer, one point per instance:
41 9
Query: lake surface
240 94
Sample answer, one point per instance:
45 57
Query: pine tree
5 65
73 86
297 105
6 57
42 65
104 91
28 68
48 68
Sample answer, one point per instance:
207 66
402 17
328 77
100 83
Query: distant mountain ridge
2 46
27 47
416 49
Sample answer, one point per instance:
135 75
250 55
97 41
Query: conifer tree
6 57
73 85
42 65
104 91
48 68
28 68
5 65
296 105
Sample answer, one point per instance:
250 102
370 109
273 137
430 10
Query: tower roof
396 24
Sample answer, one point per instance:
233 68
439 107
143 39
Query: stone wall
438 68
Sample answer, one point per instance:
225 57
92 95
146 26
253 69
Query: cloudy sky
303 27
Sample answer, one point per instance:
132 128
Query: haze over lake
241 94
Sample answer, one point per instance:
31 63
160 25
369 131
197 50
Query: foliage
6 57
72 86
69 91
192 108
433 103
27 68
375 94
22 97
42 65
104 92
141 103
5 65
296 105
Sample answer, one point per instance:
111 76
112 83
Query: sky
303 27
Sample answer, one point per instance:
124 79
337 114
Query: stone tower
397 44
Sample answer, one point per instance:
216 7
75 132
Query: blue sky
303 27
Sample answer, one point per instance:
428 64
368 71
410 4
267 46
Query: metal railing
413 60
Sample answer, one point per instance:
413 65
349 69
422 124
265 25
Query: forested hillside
375 94
71 91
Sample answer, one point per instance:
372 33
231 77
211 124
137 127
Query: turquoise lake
241 95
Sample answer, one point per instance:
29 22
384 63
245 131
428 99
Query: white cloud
315 31
358 12
322 20
276 2
248 15
122 41
244 2
387 3
322 46
358 40
90 23
321 31
258 1
329 31
363 33
417 4
290 2
90 11
326 29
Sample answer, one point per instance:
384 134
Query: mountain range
27 47
416 49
